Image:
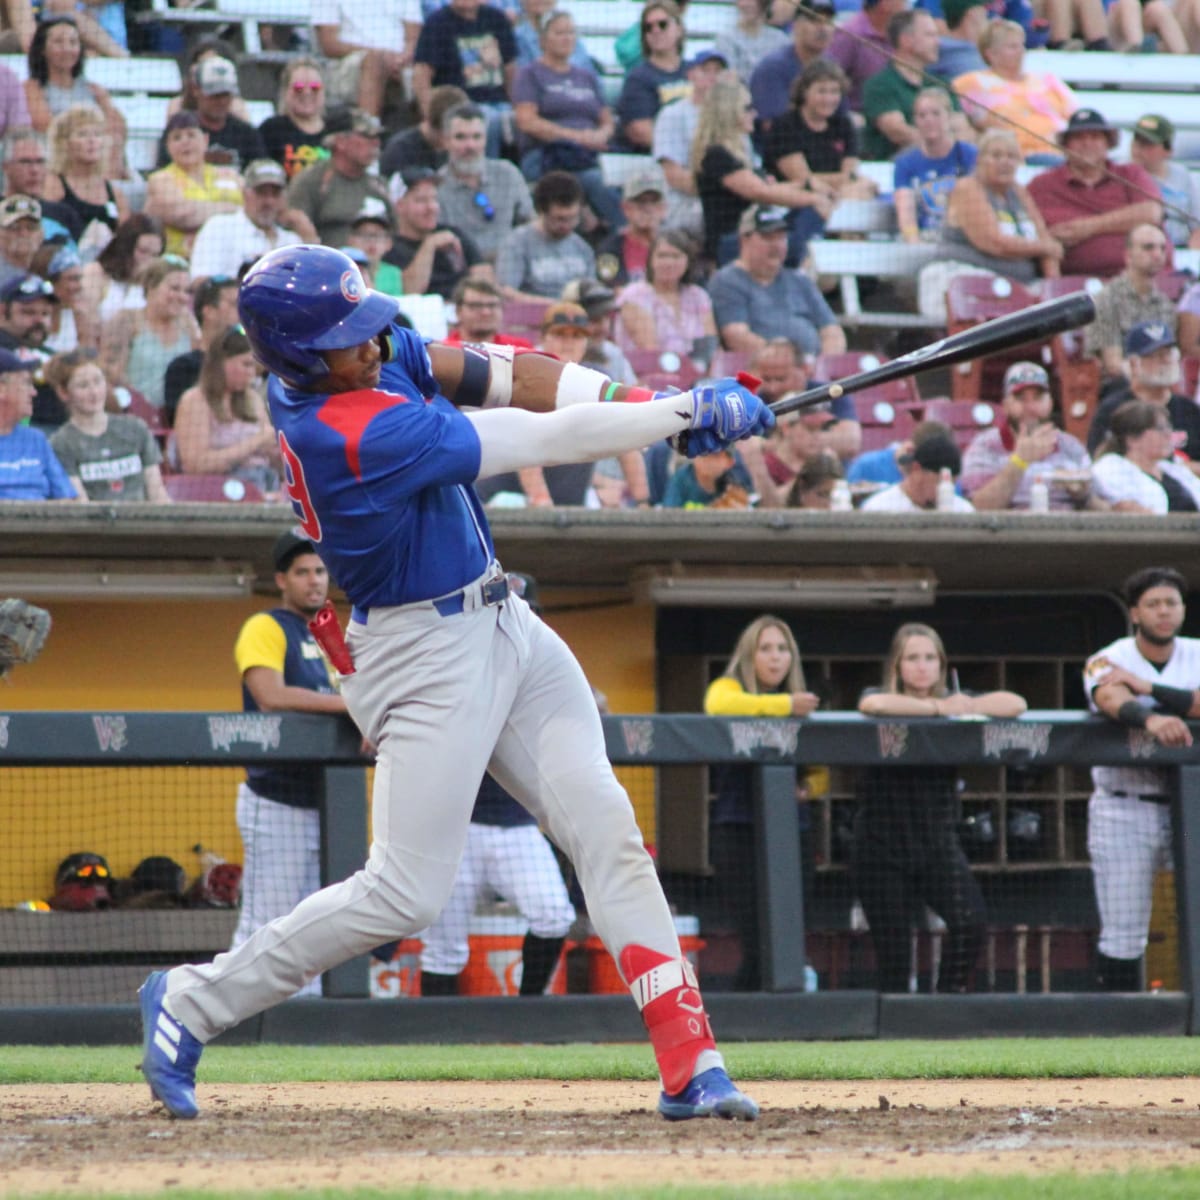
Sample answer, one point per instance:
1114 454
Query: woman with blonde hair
764 678
722 160
992 226
907 852
137 345
57 82
221 425
78 175
292 137
1006 96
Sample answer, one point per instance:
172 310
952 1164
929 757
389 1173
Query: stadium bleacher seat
971 300
1078 374
211 489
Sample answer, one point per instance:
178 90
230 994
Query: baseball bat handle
1035 324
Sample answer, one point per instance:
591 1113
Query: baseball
835 391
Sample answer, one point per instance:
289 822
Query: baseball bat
1034 324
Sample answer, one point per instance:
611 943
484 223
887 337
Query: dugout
145 621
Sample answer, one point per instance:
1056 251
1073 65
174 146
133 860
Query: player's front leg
551 757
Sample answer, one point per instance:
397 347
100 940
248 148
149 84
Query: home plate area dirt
98 1139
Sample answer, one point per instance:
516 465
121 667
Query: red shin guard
668 995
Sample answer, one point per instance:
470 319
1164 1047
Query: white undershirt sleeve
511 438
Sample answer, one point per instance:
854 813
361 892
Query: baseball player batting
1147 681
451 675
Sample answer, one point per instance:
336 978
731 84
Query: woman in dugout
221 425
723 161
764 678
992 226
907 852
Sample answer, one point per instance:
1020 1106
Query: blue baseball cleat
711 1094
169 1052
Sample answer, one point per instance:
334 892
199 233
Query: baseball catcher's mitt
23 631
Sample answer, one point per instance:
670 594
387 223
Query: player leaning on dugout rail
447 673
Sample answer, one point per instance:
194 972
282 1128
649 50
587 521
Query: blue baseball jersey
381 481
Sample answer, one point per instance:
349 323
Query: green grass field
1000 1058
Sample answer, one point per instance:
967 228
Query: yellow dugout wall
178 657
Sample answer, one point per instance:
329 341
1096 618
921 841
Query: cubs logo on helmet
297 301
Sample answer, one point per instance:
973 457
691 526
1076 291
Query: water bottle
945 491
839 498
1039 496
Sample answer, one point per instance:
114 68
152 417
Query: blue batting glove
722 413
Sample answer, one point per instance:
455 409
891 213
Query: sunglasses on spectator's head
484 205
307 87
90 871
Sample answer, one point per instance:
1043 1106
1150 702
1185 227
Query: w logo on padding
110 732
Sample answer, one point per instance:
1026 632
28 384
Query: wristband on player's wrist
1174 700
1133 714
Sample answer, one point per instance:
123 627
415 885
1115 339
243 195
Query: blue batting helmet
299 300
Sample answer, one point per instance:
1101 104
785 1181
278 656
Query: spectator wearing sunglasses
27 304
484 197
226 240
294 136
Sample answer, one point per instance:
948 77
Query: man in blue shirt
28 468
446 671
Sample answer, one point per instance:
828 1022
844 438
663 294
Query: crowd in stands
454 151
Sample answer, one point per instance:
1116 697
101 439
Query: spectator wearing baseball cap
371 236
283 669
27 317
1155 376
771 81
232 142
432 257
29 469
1003 462
621 256
1151 148
750 41
671 145
334 191
189 190
226 240
1002 94
600 302
20 236
917 491
755 298
1090 203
